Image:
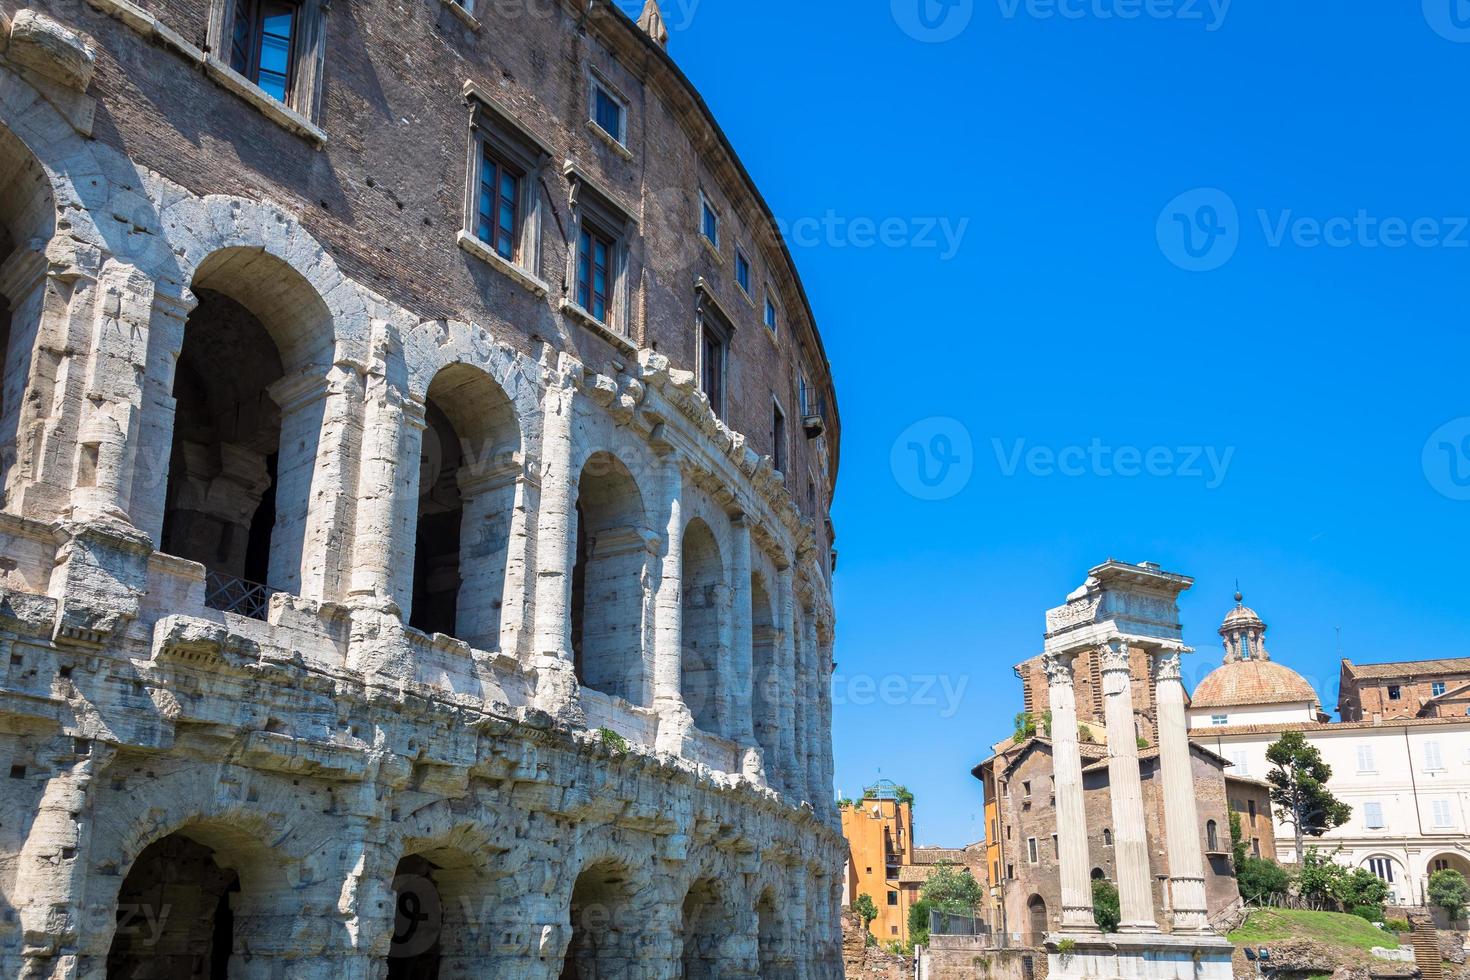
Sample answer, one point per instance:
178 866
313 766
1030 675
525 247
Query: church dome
1250 682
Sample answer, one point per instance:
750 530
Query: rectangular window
1365 759
709 222
1432 757
1373 816
1219 719
1031 853
893 898
1240 762
594 272
778 438
773 318
1437 688
500 206
1255 847
1251 808
263 44
609 112
742 270
1394 692
804 390
712 369
1443 815
1383 868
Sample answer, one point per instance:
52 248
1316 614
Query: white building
1407 780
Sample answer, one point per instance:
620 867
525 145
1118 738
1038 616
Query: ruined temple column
791 773
384 531
556 528
674 718
1181 814
1135 888
1072 858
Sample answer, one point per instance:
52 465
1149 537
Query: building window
1032 854
1026 788
778 437
1432 757
714 331
893 898
1255 847
1394 692
1056 847
502 216
1365 759
1250 806
1219 719
1212 836
1383 868
609 112
1443 815
1373 816
1107 836
499 216
594 271
709 221
1437 688
1240 762
742 270
263 44
773 317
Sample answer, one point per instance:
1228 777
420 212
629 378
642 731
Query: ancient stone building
417 452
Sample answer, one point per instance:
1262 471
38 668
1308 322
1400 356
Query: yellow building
880 840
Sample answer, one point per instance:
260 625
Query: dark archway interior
765 693
418 923
7 248
579 592
174 917
774 963
607 580
436 572
599 947
705 927
1036 909
702 593
221 503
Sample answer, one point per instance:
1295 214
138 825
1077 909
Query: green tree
919 923
865 909
1449 890
903 795
1261 880
952 889
1362 893
1298 781
1238 852
1025 727
1319 877
1106 910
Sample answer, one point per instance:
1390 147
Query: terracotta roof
1408 668
1152 752
1275 728
934 855
914 872
1244 682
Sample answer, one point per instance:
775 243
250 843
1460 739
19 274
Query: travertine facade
534 681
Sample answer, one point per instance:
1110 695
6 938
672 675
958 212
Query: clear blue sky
1067 316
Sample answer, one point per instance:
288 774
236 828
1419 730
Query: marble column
1130 836
1074 864
556 528
1181 813
674 718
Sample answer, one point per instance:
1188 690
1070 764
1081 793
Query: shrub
1106 911
1398 925
1448 890
1370 912
1260 880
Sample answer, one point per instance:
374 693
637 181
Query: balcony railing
237 595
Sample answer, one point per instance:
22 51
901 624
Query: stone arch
1037 922
1455 860
27 224
605 921
1391 871
192 896
469 466
765 673
445 900
708 925
774 951
609 580
248 397
705 596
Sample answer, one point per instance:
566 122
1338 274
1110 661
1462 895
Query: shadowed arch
705 598
765 680
604 922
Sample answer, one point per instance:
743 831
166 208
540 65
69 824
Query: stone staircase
1426 949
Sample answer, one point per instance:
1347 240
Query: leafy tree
1025 727
1238 851
903 795
865 909
1299 788
1362 893
919 923
1449 890
1261 880
1107 912
1320 877
952 889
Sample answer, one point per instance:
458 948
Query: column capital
1113 655
1169 667
1058 667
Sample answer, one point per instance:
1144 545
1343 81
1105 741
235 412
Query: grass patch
1266 926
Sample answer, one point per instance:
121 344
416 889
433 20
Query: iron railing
947 924
228 593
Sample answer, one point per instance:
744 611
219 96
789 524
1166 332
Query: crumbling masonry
374 602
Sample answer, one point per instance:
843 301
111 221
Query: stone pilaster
674 718
1181 813
742 636
811 697
151 456
792 782
557 691
384 527
1130 836
1075 867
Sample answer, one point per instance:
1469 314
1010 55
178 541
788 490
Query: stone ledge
464 14
611 140
495 260
575 311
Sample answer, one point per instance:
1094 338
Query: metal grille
236 595
947 924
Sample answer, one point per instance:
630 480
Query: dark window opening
602 924
711 222
1394 692
436 571
263 44
742 271
712 369
579 593
608 112
595 272
500 206
778 438
893 898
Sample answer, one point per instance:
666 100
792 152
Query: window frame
1033 851
308 50
596 209
1395 692
1438 688
780 436
771 314
597 82
742 261
495 133
1369 808
709 214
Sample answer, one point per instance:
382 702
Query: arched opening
467 486
1107 837
247 411
418 921
766 680
442 898
608 581
189 902
775 959
1098 874
602 944
704 596
1036 921
27 223
707 924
